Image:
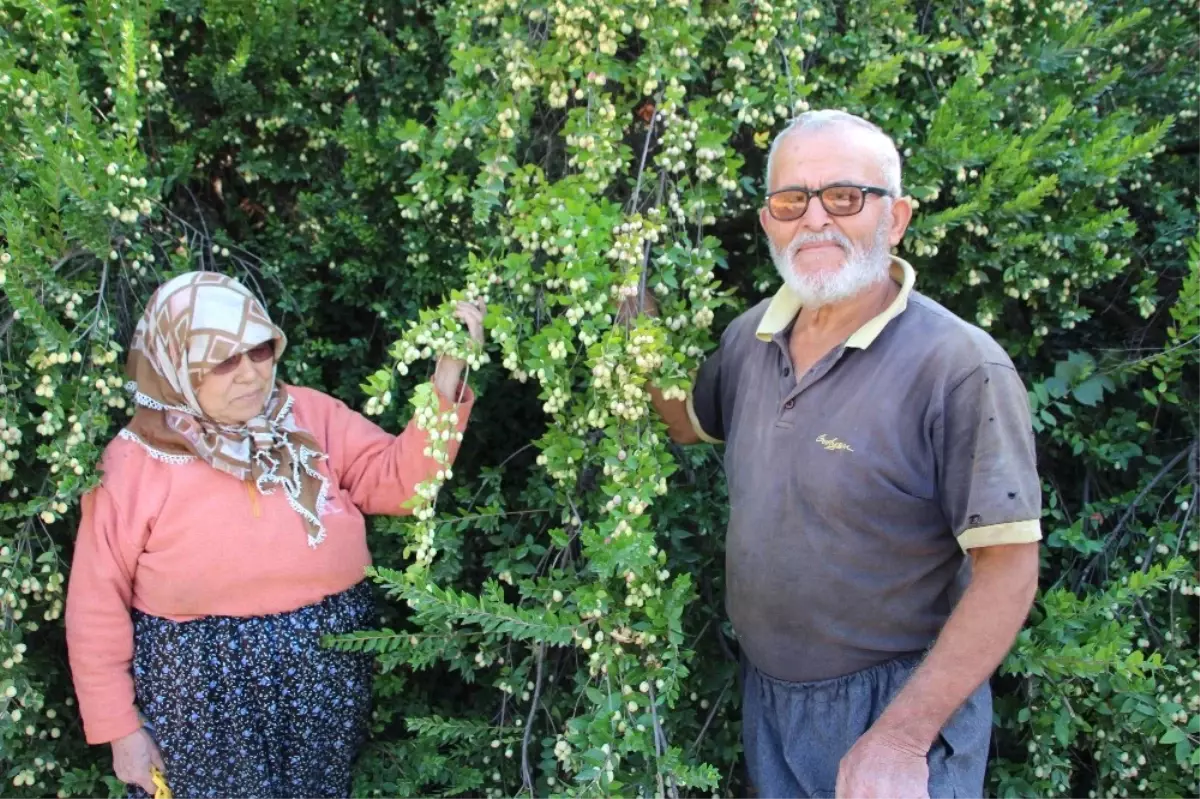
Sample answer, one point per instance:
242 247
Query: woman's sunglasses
263 352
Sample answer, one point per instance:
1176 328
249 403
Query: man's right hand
672 411
133 756
632 307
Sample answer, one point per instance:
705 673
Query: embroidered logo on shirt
832 444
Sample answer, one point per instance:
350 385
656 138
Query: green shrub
557 622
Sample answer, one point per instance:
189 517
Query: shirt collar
785 305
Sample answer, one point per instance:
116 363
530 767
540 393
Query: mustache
801 239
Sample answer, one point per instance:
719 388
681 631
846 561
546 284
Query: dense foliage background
556 623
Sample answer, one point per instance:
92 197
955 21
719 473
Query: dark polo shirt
856 489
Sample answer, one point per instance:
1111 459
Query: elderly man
884 499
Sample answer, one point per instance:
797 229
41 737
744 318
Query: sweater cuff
111 729
464 407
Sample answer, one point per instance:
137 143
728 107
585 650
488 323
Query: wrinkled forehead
832 154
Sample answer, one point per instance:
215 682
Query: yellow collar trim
785 305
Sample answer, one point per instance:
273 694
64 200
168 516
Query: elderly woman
225 538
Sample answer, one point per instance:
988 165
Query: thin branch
706 589
504 515
660 743
69 256
703 630
711 714
1087 499
1152 357
502 464
526 774
1186 517
1194 476
1192 452
200 218
1157 633
577 523
566 549
98 311
662 179
1062 501
1179 543
637 188
1113 539
787 70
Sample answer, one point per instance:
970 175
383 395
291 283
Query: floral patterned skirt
255 706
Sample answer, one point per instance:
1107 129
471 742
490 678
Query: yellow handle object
160 782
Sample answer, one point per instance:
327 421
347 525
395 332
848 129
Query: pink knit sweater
183 540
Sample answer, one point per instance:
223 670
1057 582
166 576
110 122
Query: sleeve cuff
691 412
112 729
464 407
996 534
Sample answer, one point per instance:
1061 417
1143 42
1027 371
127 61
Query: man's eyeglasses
263 352
789 204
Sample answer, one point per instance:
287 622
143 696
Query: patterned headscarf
191 324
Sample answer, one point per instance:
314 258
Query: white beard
861 270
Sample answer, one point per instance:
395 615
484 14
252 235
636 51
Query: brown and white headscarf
191 324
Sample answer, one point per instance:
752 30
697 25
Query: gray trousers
796 733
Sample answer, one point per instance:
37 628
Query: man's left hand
882 766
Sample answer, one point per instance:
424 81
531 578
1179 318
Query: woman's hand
133 756
449 370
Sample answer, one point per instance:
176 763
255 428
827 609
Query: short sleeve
987 461
704 401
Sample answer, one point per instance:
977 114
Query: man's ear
902 212
762 219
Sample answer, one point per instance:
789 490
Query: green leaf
1091 391
1062 728
1173 735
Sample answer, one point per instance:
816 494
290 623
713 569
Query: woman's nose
245 371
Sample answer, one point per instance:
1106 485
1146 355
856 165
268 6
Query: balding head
811 121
